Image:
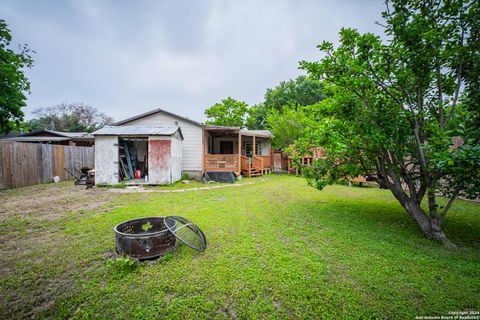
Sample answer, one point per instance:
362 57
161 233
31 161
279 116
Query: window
248 149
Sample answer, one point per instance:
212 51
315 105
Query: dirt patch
49 202
30 229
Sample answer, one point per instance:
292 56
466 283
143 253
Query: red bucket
138 174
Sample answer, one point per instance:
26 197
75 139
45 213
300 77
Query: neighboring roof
10 135
158 110
137 131
56 133
37 139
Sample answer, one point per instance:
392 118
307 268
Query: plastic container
138 174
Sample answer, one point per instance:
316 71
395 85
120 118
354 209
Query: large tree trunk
431 227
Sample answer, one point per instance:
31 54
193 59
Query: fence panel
25 164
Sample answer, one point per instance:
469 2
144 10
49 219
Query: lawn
277 249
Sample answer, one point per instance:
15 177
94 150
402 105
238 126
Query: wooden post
272 160
203 151
254 153
239 147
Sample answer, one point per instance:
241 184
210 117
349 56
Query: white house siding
265 147
106 160
192 134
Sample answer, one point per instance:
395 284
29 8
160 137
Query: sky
129 57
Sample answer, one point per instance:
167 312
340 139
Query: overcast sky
128 57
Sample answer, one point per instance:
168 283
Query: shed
137 154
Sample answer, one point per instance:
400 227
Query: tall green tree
229 112
398 105
287 125
293 93
13 81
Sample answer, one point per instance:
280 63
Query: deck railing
229 162
257 163
267 162
245 163
221 162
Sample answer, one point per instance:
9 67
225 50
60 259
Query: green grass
276 249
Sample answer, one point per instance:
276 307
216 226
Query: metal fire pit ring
144 238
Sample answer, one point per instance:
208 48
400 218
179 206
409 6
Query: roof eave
149 113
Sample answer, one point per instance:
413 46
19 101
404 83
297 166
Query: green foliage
256 117
229 112
298 92
13 81
122 265
146 226
301 91
396 108
286 125
287 252
69 117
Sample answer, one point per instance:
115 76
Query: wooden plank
48 162
59 162
32 160
239 151
5 165
7 159
18 157
67 162
203 151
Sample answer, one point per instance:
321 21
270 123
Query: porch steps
252 172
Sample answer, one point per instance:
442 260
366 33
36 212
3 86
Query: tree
229 112
396 106
287 125
73 117
13 81
298 92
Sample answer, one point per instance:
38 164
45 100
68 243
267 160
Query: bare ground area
30 219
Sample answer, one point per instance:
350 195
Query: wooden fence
26 164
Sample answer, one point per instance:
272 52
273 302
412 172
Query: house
233 149
81 139
204 149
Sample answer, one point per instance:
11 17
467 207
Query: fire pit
144 238
152 237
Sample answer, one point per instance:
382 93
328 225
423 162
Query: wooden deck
235 150
258 166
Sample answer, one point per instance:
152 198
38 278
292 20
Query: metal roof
56 133
10 135
146 114
37 139
137 131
